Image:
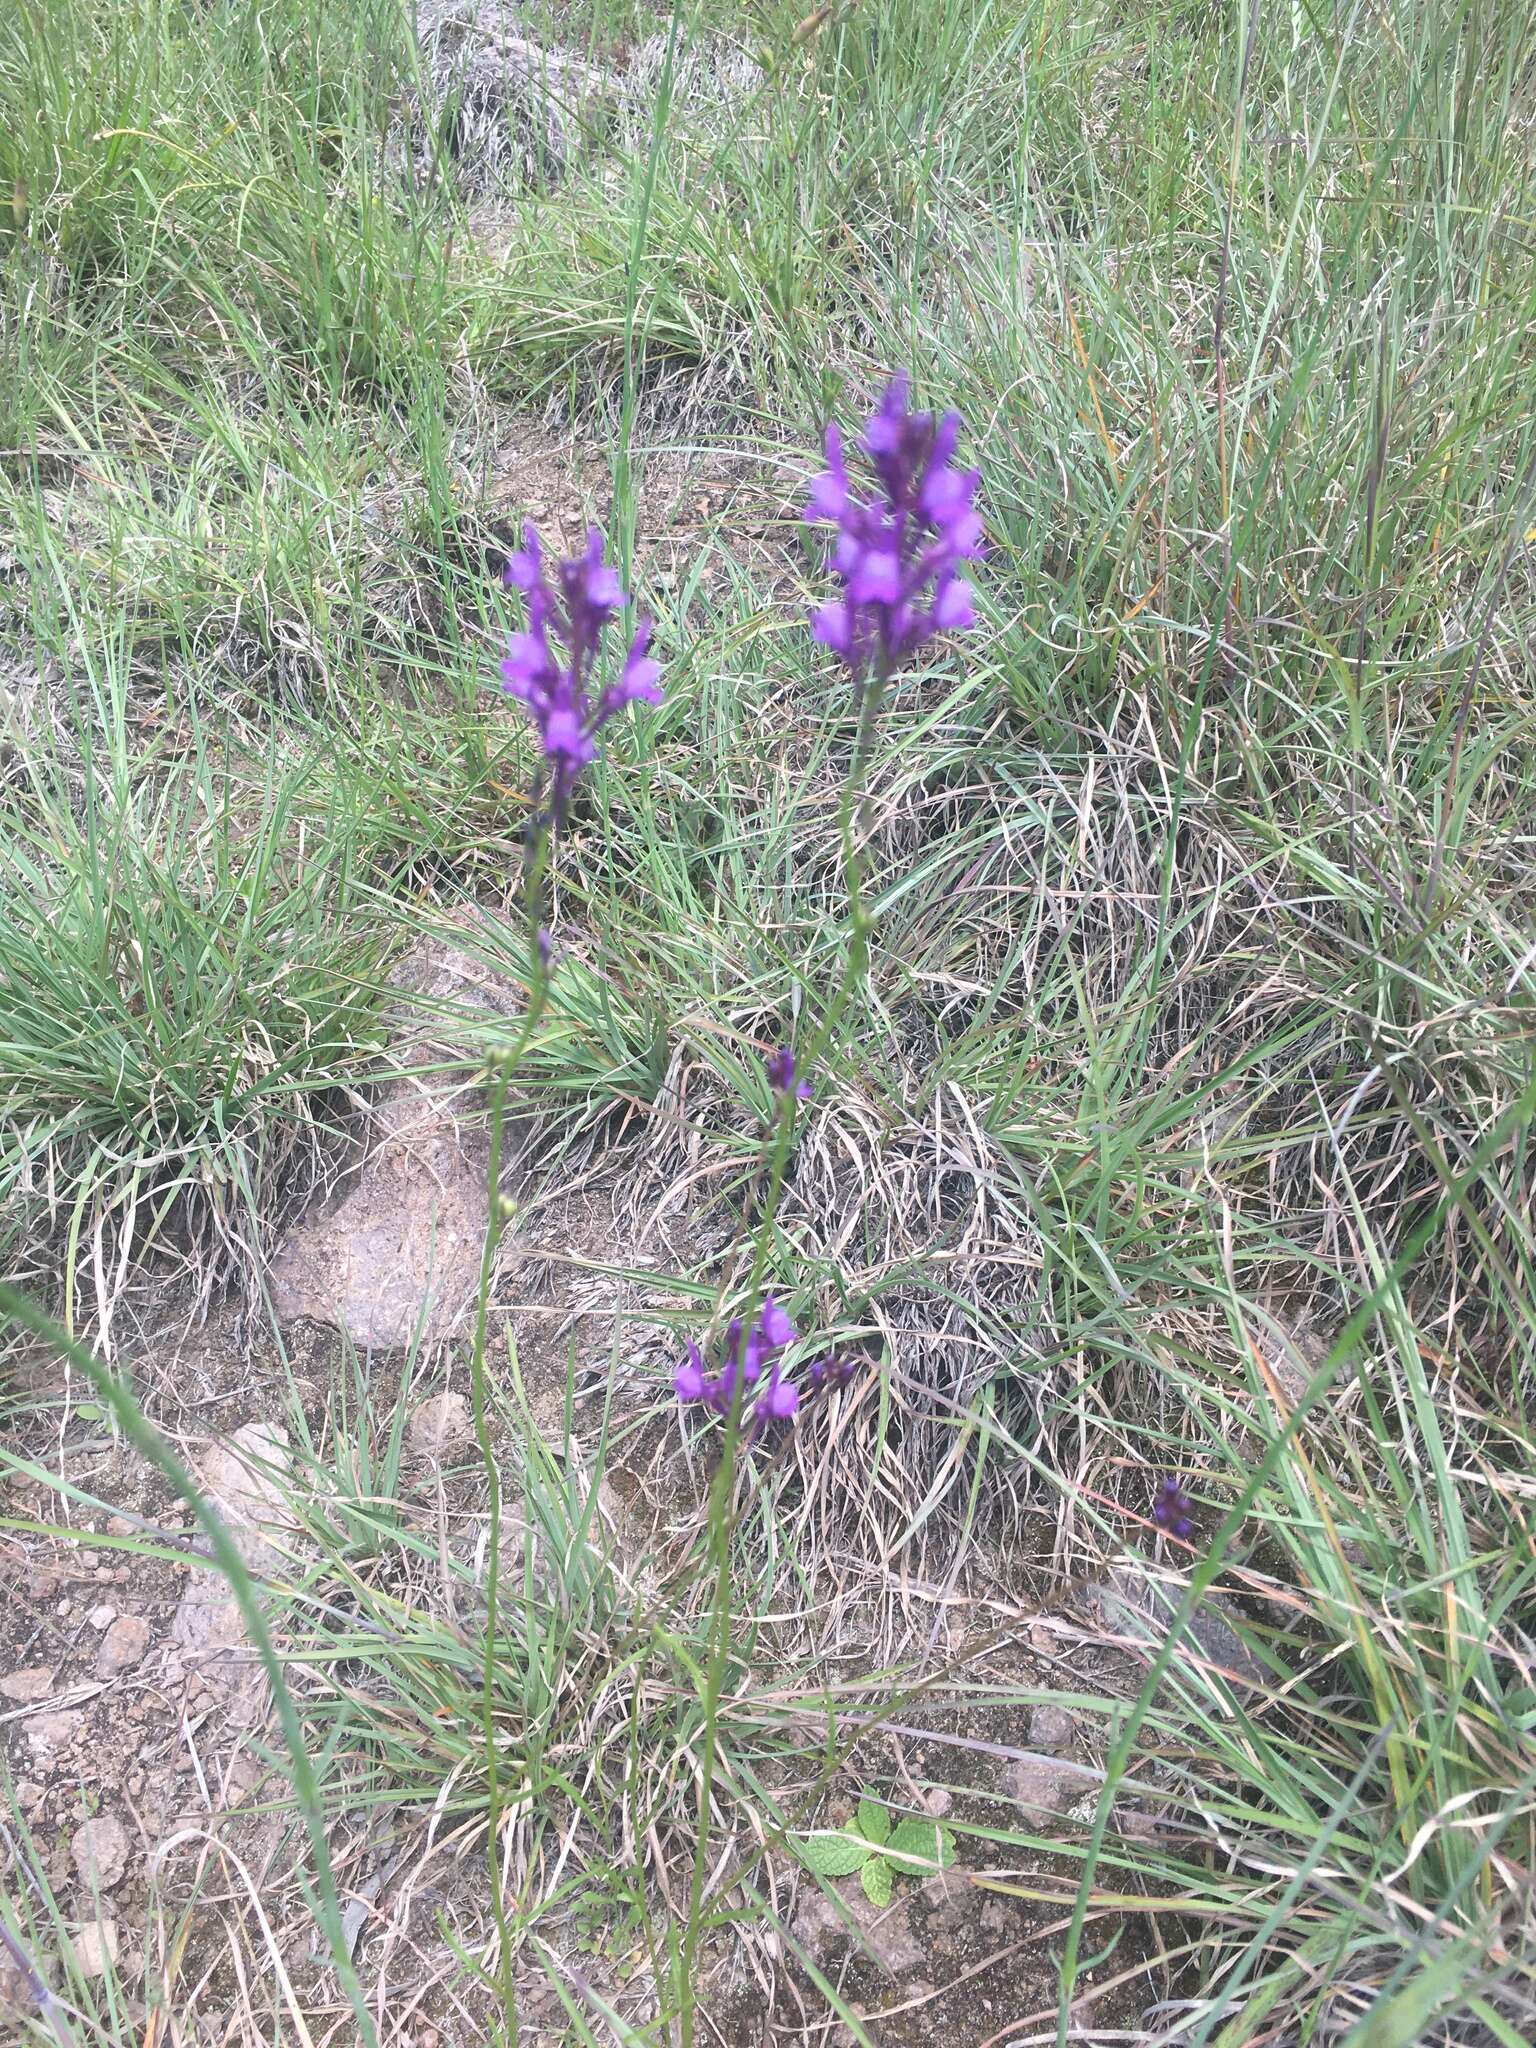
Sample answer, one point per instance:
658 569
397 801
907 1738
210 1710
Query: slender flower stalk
549 668
898 555
897 558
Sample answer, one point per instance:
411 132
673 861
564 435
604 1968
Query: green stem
853 822
507 1065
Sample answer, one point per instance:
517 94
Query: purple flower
1171 1510
898 550
690 1381
743 1357
830 1371
778 1400
781 1076
549 667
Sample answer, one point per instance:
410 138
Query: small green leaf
874 1821
923 1841
89 1411
833 1853
876 1880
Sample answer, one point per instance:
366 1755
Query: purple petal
689 1382
776 1328
828 497
883 435
954 607
832 625
641 672
876 577
525 568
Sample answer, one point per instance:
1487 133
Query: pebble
50 1735
119 1525
102 1617
35 1683
100 1850
1051 1728
95 1948
122 1646
29 1794
441 1425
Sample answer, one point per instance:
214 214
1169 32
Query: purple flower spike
898 551
549 667
744 1355
781 1076
1171 1510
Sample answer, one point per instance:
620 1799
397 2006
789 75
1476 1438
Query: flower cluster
899 550
1172 1510
751 1358
747 1353
549 667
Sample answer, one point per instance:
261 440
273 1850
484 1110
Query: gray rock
123 1646
100 1850
442 1426
95 1948
1139 1607
395 1251
243 1479
885 1932
1047 1787
29 1685
1051 1728
52 1736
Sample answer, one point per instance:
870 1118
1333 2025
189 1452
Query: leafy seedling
877 1851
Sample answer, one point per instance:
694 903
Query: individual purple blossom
782 1076
549 667
899 548
1171 1510
691 1382
778 1400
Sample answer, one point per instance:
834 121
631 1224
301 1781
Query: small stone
121 1575
1051 1728
64 1609
441 1426
100 1850
29 1794
1045 1787
105 1575
938 1799
120 1525
95 1948
122 1646
1139 1605
102 1617
53 1735
34 1683
89 1559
